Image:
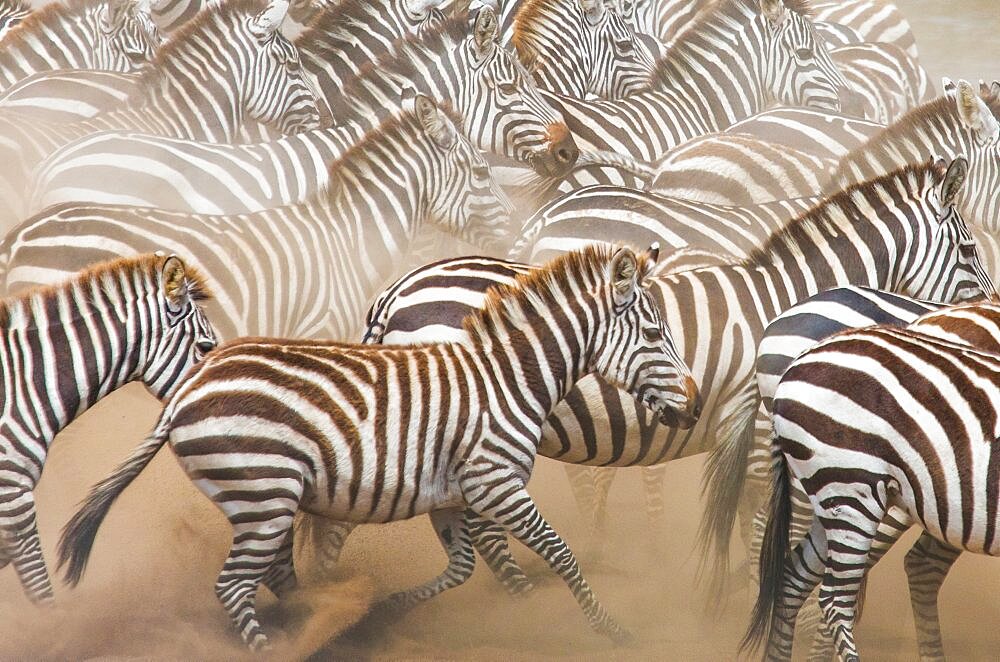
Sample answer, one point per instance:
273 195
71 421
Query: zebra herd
611 233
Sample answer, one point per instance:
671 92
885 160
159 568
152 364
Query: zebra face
464 198
953 270
128 35
980 199
798 68
503 111
186 334
278 92
622 63
637 353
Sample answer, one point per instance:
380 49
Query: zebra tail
78 535
722 487
773 553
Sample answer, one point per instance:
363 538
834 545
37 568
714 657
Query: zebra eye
204 345
967 251
480 171
803 53
508 89
624 47
652 335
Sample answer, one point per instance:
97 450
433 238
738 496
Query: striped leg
280 577
490 540
927 563
507 502
326 538
652 483
452 528
591 487
803 571
21 544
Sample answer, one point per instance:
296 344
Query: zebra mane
401 128
886 143
338 21
49 14
543 288
213 14
718 12
818 219
401 60
17 310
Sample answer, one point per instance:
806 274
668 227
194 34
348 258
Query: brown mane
211 14
145 266
46 16
545 284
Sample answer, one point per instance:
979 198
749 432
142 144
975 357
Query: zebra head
502 109
798 69
278 92
422 15
463 197
128 37
980 199
946 265
580 47
185 334
636 352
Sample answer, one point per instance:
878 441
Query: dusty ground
148 593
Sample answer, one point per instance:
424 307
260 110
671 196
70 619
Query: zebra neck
51 46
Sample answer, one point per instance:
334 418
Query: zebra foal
871 421
376 434
67 346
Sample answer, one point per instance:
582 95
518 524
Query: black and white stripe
66 347
455 426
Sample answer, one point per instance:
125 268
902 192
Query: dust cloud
148 593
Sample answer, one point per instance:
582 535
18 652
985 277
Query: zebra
114 35
330 47
260 77
169 15
581 47
498 103
839 242
12 13
941 370
523 126
67 346
470 417
323 259
877 21
888 80
704 84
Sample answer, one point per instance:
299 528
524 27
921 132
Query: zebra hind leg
452 528
490 540
325 538
927 564
517 513
23 547
280 578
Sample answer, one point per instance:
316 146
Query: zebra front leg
280 578
927 564
591 486
490 540
21 544
452 528
508 503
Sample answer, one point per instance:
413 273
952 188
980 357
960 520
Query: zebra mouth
669 415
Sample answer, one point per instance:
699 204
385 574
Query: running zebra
252 72
67 346
935 382
498 102
306 270
899 232
12 12
465 420
704 83
581 47
113 35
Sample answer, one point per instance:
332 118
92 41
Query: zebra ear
173 275
652 255
623 275
774 11
269 19
434 122
114 15
484 31
954 177
948 86
975 114
593 10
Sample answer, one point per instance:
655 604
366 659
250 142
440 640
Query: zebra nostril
564 155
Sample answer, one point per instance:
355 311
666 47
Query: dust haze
148 592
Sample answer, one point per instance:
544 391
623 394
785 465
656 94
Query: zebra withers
375 434
872 420
67 346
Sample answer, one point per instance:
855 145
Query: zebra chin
682 415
